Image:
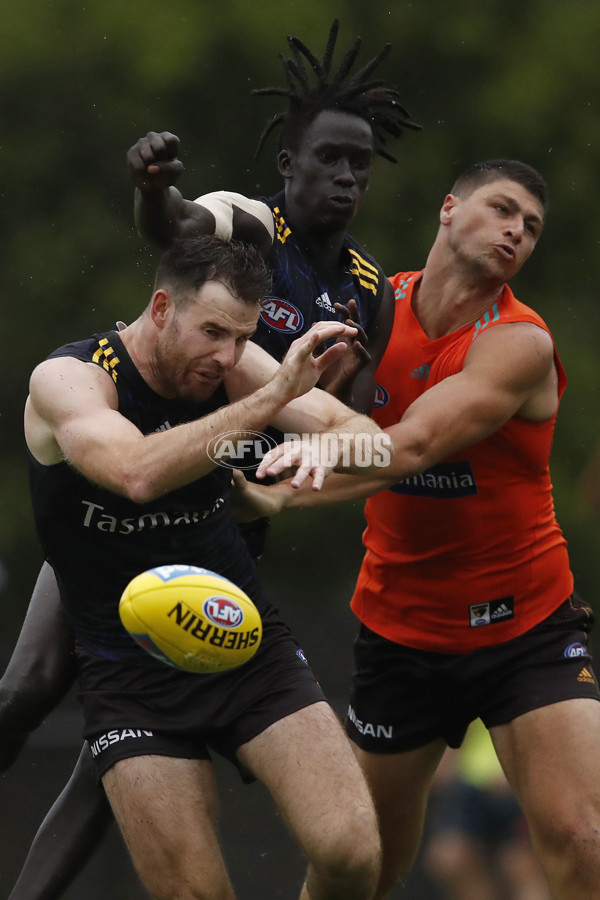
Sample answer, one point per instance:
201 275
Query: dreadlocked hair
377 104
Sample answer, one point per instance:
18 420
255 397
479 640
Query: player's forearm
384 471
252 501
338 488
167 460
350 443
158 214
362 446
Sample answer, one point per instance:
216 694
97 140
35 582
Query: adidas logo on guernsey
586 675
491 613
502 612
421 372
325 303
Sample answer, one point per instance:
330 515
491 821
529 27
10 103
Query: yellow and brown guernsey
106 357
302 294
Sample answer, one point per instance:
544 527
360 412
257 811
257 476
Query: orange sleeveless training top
468 553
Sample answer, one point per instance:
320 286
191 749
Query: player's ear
448 206
284 163
160 305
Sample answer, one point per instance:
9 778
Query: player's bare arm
300 369
509 371
314 412
162 213
72 415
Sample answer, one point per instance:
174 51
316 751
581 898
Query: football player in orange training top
329 136
465 595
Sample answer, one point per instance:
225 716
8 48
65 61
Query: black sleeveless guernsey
97 540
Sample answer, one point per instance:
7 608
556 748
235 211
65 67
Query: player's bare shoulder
63 379
520 357
60 389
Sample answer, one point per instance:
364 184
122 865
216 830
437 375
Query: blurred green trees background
81 80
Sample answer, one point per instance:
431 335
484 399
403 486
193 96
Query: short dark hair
189 263
372 101
493 169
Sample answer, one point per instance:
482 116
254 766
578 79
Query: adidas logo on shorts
586 675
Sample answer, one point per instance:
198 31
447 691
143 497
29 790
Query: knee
357 857
572 838
171 884
348 861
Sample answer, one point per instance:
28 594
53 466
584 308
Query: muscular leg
308 766
67 837
41 669
551 757
166 809
400 785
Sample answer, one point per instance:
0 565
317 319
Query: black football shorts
137 711
404 698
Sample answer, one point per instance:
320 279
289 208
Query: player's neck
323 246
445 299
136 338
325 252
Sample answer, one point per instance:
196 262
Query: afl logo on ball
381 396
281 315
223 612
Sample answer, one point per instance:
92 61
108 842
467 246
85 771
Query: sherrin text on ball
191 618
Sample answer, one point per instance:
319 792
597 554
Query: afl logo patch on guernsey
575 650
381 396
223 612
282 315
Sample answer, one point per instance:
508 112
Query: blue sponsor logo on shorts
576 649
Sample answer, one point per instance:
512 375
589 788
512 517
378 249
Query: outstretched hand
153 161
301 369
250 501
338 378
310 458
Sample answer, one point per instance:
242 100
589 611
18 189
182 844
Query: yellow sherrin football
191 618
